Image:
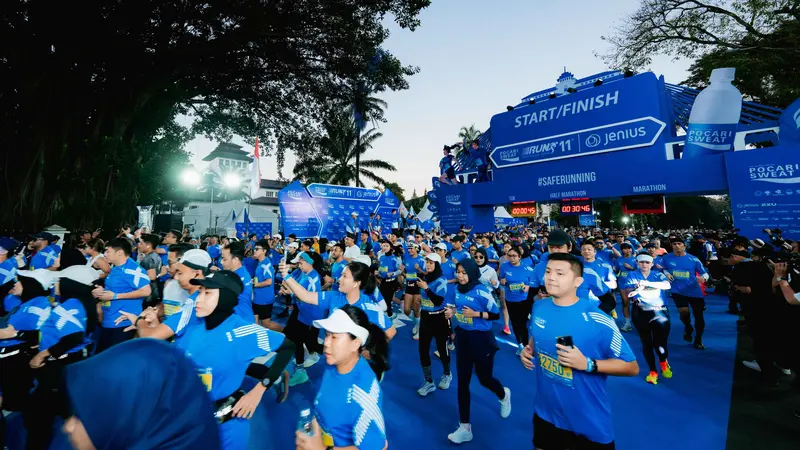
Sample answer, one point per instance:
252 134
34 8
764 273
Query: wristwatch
779 279
591 365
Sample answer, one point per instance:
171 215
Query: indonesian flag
255 175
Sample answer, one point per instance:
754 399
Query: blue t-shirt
649 297
412 274
221 357
478 299
244 308
517 277
264 295
44 258
164 262
684 270
306 313
8 271
336 272
330 301
619 265
458 255
449 273
438 287
250 264
572 399
128 277
389 267
184 318
30 316
444 164
596 276
348 408
66 318
10 302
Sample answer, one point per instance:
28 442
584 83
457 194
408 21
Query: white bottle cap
305 412
725 74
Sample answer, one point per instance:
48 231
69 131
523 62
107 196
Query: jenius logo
773 173
297 195
453 199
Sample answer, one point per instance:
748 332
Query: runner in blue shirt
348 406
598 277
8 265
433 324
458 253
232 259
650 314
126 286
685 273
516 279
623 265
46 255
447 173
388 272
413 268
222 345
576 346
263 287
474 312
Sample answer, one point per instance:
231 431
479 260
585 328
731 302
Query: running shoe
415 336
666 370
312 359
415 330
614 314
699 346
752 365
505 404
282 387
451 346
300 376
461 435
506 330
444 382
426 389
687 333
626 327
652 378
436 352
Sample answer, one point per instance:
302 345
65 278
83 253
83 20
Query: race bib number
516 287
327 439
411 276
170 307
553 369
682 274
462 319
383 270
623 274
426 303
106 304
206 377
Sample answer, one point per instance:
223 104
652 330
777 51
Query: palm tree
338 160
469 134
366 108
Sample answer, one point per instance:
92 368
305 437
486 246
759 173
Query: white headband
643 257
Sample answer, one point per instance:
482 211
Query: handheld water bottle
304 424
715 116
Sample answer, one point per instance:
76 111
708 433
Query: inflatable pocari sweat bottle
715 116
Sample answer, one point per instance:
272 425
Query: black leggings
16 377
653 328
300 334
433 326
475 349
387 290
608 302
697 305
518 313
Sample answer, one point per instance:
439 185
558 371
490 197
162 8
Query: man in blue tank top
574 347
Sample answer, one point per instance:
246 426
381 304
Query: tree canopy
91 91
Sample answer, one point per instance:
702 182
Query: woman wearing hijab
21 334
348 407
143 394
475 310
63 342
222 344
355 282
433 324
488 276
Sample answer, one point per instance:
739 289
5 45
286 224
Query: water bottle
715 116
304 424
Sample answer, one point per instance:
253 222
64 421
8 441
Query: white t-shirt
352 252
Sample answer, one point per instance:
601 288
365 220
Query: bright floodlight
232 180
190 177
625 219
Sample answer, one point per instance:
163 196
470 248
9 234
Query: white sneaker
415 330
626 327
426 389
783 371
505 404
752 365
461 435
444 382
415 336
451 346
311 360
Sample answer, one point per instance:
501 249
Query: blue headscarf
143 394
474 274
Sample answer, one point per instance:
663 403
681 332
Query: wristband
591 365
115 296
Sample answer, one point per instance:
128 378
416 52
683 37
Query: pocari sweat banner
715 116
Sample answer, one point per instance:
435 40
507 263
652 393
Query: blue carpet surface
689 411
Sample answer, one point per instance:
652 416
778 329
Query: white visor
340 322
647 258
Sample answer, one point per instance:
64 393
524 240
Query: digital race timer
575 206
522 209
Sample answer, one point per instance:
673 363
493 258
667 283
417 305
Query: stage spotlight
628 73
552 95
532 101
598 83
572 90
510 108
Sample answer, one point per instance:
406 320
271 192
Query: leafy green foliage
395 188
90 91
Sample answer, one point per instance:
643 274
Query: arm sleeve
67 342
436 299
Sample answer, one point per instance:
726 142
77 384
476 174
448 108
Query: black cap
44 235
558 237
742 253
224 279
458 238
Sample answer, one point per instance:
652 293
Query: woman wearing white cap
650 315
21 334
63 342
433 324
348 407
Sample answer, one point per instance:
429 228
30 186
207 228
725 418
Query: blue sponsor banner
765 190
432 196
259 228
586 220
326 210
509 221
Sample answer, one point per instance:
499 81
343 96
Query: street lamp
232 180
191 177
625 220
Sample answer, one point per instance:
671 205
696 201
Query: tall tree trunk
358 155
